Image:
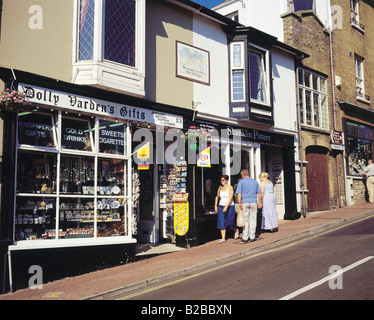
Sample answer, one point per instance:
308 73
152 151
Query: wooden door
317 181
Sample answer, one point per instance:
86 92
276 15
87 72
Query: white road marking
325 279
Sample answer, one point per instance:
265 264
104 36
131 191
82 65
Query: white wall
213 98
284 91
265 15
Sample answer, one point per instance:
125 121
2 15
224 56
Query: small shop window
111 177
35 218
360 147
110 217
36 129
76 218
77 134
77 175
112 137
36 172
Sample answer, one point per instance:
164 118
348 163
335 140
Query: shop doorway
147 227
317 179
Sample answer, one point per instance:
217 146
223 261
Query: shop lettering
132 113
40 134
90 105
259 136
254 134
34 129
110 133
73 135
42 96
108 137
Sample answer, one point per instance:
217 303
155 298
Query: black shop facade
80 177
231 148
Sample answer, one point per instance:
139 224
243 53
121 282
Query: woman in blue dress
225 208
269 208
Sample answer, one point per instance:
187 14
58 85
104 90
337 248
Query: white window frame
355 14
322 103
266 70
237 68
60 196
360 80
104 73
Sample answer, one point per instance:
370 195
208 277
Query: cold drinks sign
99 107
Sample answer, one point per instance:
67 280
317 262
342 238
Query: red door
317 181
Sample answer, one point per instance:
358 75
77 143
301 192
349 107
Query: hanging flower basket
12 101
194 135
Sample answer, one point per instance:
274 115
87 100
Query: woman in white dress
269 209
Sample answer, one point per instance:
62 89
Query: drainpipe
301 161
300 149
334 110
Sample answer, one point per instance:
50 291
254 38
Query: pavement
167 262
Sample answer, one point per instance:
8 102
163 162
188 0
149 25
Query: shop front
359 149
231 149
74 198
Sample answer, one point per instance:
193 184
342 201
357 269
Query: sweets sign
99 107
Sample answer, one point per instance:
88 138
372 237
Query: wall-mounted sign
98 107
193 63
337 140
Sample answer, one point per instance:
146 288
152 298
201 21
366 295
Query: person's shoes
245 241
236 235
252 240
222 241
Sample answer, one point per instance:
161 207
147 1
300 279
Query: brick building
323 165
353 61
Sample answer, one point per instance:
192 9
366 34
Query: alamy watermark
336 278
36 280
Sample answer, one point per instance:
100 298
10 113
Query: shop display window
66 187
110 217
360 147
111 174
77 175
36 172
76 218
77 134
36 130
112 137
35 218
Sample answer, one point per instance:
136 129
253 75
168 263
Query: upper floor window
258 75
355 18
118 35
360 85
237 71
109 44
355 15
313 99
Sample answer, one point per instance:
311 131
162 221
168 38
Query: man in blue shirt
249 199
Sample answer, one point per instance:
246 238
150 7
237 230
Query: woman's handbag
240 217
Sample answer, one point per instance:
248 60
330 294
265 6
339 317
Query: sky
209 3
